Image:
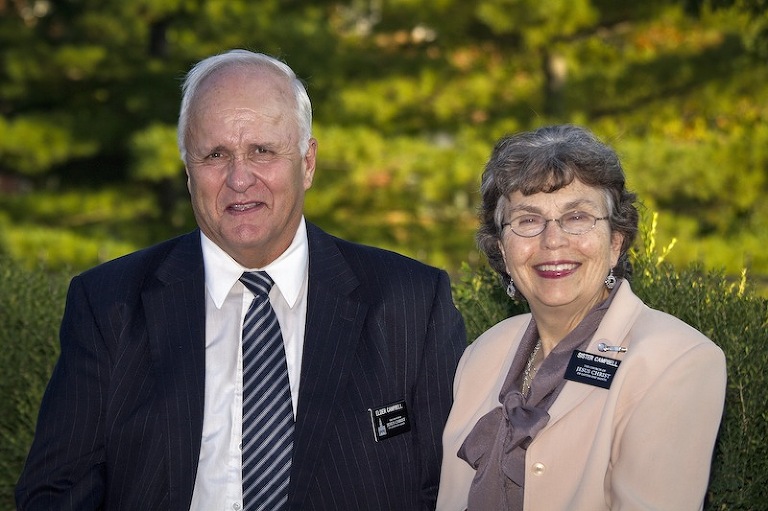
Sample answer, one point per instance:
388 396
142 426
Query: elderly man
255 363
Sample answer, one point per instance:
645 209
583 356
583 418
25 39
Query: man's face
246 176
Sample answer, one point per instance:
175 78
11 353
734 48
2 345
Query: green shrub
731 314
737 322
31 304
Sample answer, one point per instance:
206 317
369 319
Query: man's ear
189 184
309 162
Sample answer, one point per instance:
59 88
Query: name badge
591 369
389 420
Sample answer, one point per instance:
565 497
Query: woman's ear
503 256
617 239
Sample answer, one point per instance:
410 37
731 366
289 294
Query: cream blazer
645 443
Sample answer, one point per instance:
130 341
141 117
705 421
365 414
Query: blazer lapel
174 306
613 330
333 328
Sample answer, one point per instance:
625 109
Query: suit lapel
613 330
333 328
174 306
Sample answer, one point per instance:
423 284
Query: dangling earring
610 280
511 289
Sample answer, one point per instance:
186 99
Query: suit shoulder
655 328
381 260
658 340
499 338
139 262
650 331
486 360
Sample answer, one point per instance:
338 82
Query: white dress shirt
218 485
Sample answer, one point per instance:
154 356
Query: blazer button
538 469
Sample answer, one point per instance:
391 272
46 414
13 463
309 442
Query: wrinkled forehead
254 83
247 99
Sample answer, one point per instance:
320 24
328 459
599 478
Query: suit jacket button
538 469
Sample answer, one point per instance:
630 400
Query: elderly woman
594 401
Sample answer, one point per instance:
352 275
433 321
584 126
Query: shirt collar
288 270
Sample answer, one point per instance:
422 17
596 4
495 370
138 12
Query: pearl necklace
530 371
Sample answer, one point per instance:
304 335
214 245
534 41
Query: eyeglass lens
574 222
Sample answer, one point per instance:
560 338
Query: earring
610 280
511 289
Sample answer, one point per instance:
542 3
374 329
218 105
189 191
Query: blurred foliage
31 304
728 312
409 98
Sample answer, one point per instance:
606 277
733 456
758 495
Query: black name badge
389 420
591 369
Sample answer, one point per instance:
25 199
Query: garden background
409 97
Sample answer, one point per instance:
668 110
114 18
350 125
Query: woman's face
556 270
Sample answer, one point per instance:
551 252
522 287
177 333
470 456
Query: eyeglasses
574 222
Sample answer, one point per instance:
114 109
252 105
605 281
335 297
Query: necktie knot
258 282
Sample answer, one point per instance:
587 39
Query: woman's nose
553 235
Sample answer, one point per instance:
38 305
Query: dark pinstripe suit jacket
120 424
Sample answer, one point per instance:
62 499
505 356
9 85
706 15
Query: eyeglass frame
557 221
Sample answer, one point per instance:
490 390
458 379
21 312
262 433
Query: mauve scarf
496 446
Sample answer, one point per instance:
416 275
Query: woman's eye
577 216
527 220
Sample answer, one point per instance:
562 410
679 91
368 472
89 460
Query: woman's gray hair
546 160
243 59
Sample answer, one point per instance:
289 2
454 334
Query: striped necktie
267 409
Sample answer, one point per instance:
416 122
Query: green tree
409 98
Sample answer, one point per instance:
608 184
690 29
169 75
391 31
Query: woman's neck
554 323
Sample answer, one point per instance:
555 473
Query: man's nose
241 174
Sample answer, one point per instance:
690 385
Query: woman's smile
554 270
